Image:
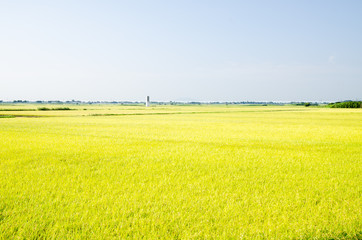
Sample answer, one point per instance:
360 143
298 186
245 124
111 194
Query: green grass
204 172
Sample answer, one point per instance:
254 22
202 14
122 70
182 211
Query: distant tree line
306 104
346 104
49 109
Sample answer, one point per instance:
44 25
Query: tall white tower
148 101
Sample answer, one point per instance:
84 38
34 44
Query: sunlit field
180 172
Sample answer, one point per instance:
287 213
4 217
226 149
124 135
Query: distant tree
348 104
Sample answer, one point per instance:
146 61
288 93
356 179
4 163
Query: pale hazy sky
181 50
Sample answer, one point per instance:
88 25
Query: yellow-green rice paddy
180 172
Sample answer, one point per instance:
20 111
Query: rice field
180 172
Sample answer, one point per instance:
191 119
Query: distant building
148 101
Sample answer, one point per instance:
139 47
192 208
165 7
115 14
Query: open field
180 172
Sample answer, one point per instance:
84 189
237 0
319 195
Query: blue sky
181 50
